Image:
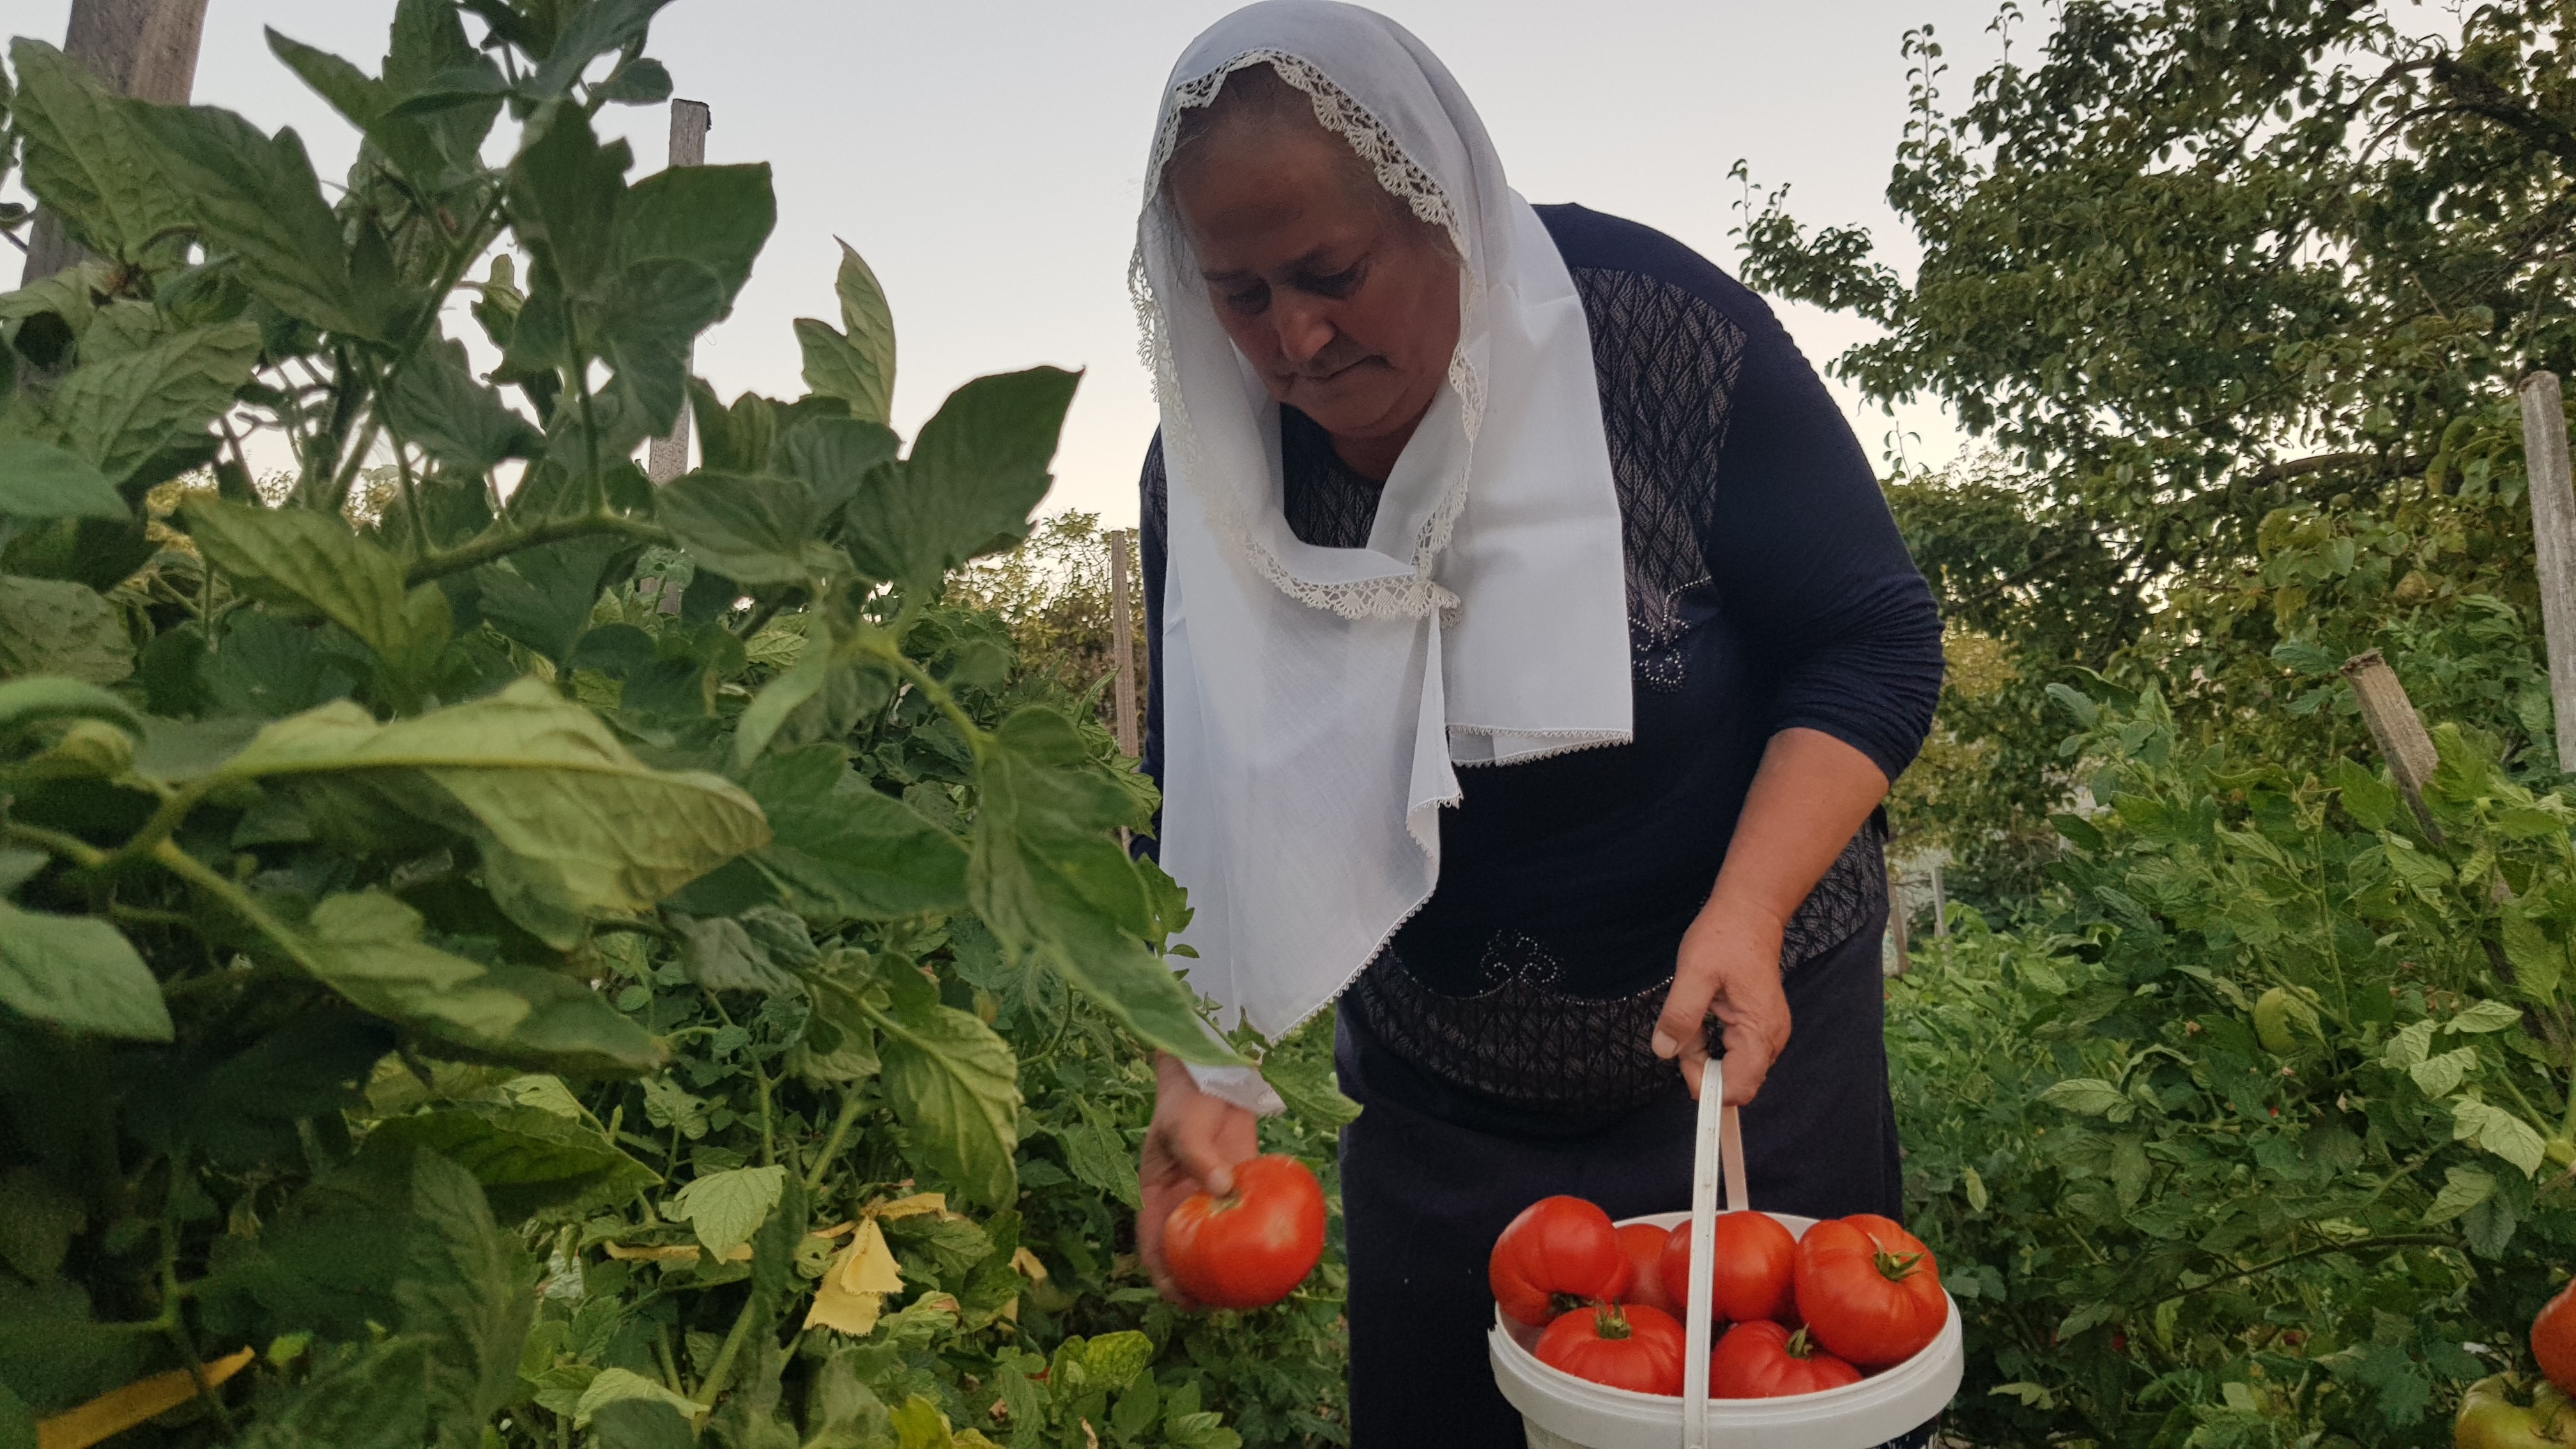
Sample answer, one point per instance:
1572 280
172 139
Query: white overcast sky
985 155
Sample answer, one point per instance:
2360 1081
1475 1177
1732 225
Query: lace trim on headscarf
1337 112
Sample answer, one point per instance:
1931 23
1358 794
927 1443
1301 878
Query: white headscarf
1315 699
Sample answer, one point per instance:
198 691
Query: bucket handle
1719 1156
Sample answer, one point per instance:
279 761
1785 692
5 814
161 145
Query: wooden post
1896 923
2553 534
1940 903
146 49
2398 729
1122 636
668 458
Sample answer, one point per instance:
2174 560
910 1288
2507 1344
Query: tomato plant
1253 1246
1756 1271
1761 1359
1558 1253
1626 1346
496 949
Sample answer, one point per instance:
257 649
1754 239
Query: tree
2201 260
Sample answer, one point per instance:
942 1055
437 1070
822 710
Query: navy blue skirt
1424 1196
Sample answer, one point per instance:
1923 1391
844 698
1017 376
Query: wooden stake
2553 534
146 49
1896 922
1122 636
2399 731
1940 903
668 458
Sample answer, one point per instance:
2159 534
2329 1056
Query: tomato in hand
1249 1248
1631 1347
1763 1360
1870 1290
1756 1268
1644 1243
2553 1339
1559 1247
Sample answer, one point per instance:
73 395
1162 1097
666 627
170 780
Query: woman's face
1345 303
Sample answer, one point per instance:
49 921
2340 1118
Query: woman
1533 649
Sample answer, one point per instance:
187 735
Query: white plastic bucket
1561 1411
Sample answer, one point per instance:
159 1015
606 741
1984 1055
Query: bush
491 959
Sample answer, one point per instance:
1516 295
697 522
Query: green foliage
2269 1125
571 958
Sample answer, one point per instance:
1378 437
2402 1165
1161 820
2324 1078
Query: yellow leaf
852 1293
913 1206
867 1265
1028 1266
834 1231
114 1413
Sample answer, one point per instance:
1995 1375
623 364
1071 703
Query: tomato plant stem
851 1105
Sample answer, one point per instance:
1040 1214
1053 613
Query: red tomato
2553 1338
1756 1267
1644 1243
1762 1360
1559 1247
1633 1347
1870 1290
1248 1249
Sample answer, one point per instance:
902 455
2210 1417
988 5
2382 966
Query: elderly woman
1532 652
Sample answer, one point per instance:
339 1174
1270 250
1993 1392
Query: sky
986 156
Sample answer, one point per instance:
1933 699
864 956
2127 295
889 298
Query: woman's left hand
1729 966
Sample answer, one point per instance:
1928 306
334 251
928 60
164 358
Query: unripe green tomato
2272 1021
92 749
2492 1416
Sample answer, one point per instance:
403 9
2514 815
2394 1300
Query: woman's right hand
1194 1144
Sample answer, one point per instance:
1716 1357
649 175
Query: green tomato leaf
80 974
117 415
436 403
2462 1189
835 455
653 311
565 188
977 469
2089 1097
1311 1090
955 1087
639 1422
253 198
726 1208
543 597
368 948
39 480
2485 1016
296 556
718 217
86 155
865 855
857 365
50 626
1049 880
528 1159
753 528
2498 1131
569 1028
549 782
594 29
466 1289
